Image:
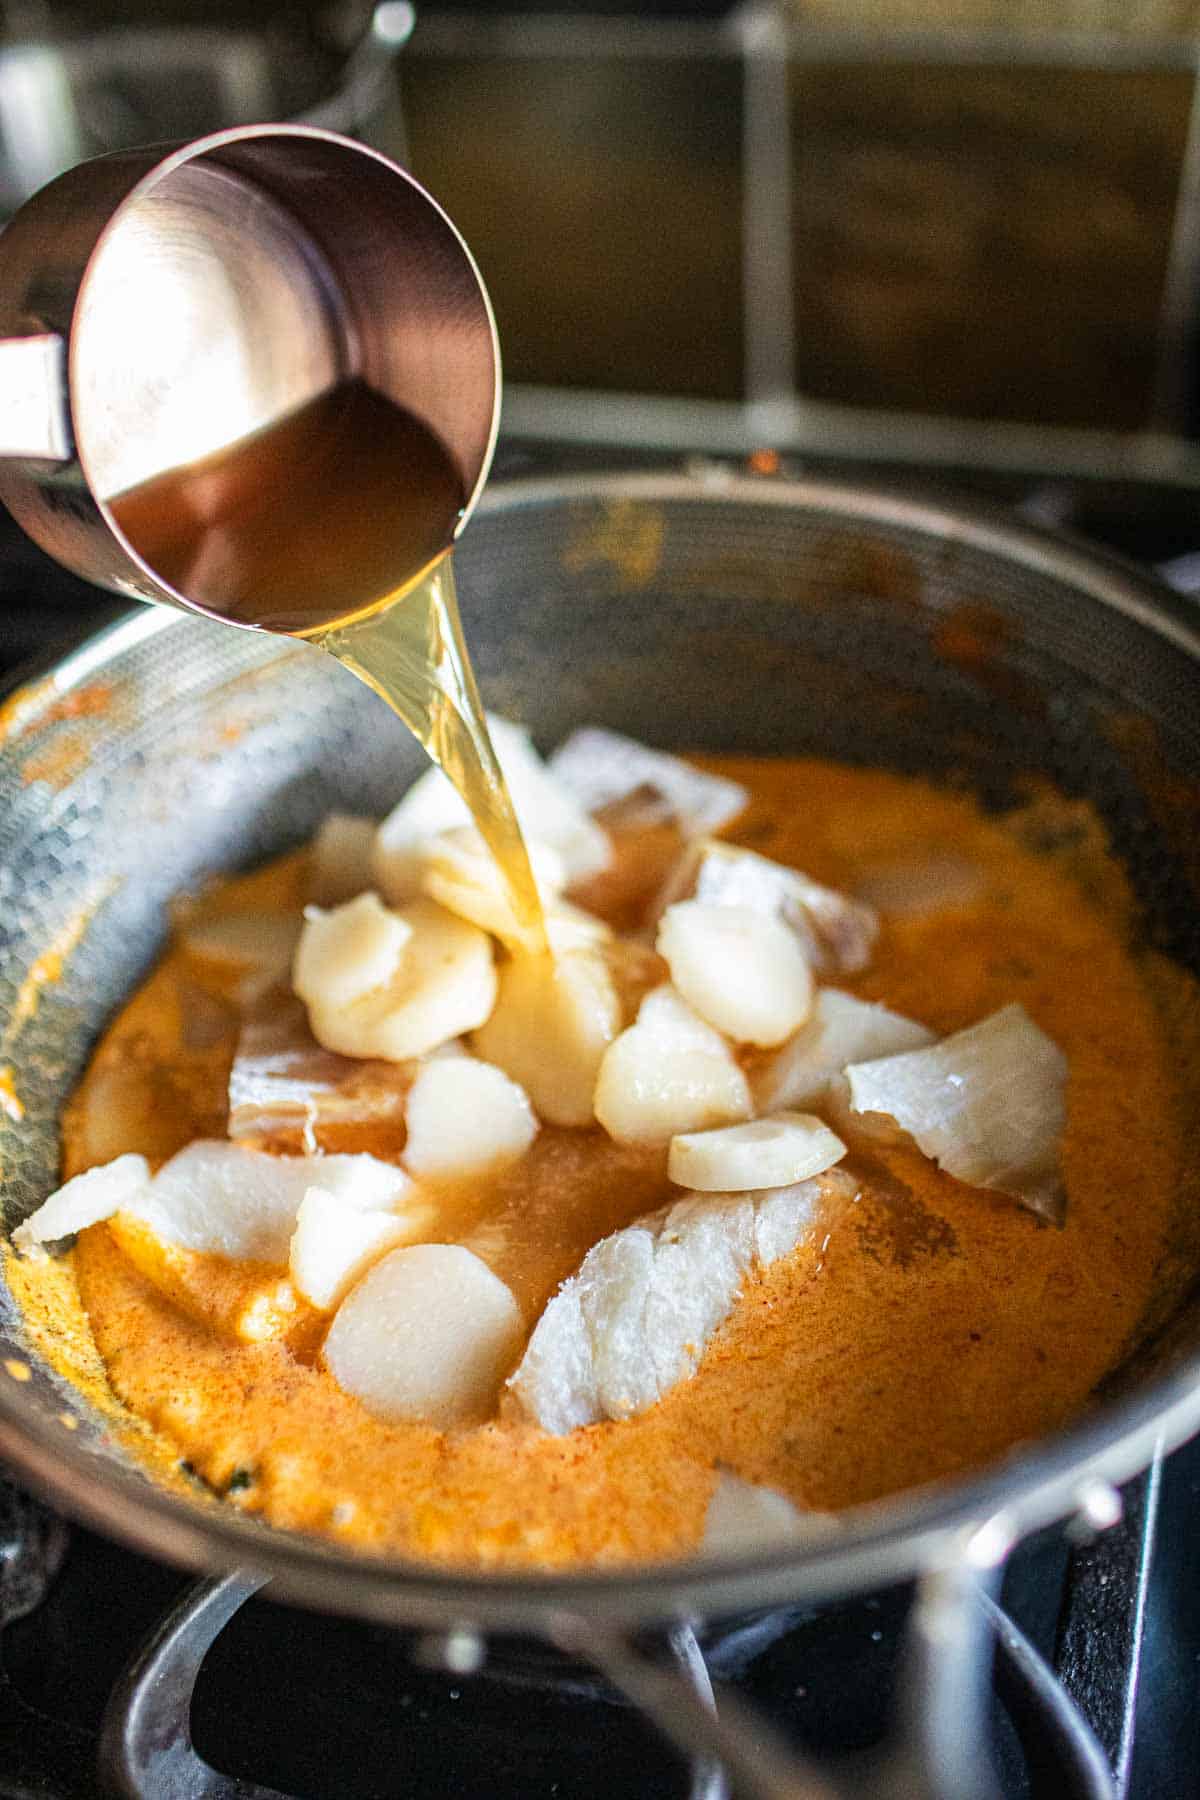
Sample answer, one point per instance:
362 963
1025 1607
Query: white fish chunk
838 933
84 1200
334 1244
339 858
282 1081
461 874
744 1517
348 952
601 768
548 813
570 927
840 1029
637 1316
443 985
742 970
668 1072
553 1020
428 1333
987 1104
764 1153
430 807
242 1204
465 1116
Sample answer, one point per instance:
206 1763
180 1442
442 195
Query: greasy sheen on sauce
928 1329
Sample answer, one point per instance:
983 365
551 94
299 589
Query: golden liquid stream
412 653
334 525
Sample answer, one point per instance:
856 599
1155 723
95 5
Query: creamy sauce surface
928 1329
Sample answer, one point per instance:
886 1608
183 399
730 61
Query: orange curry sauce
927 1329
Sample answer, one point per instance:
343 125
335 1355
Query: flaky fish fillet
646 1300
988 1104
838 934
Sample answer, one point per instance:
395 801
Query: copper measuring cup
159 306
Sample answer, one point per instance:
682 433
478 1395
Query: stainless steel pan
714 610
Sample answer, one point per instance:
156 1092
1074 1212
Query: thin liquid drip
413 654
335 525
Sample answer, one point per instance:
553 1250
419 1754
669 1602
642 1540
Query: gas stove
1094 1695
117 1676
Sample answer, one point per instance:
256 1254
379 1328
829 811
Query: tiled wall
602 198
985 234
984 240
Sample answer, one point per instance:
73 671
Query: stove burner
146 1745
146 1748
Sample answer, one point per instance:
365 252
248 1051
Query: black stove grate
317 1707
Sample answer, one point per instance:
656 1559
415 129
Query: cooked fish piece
637 1316
668 1072
764 1153
838 933
84 1201
444 984
461 874
351 951
987 1104
547 812
601 768
242 1204
553 1020
839 1030
465 1116
744 1516
333 1244
428 1333
742 970
570 927
282 1082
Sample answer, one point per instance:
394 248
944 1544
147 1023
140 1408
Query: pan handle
145 1739
939 1748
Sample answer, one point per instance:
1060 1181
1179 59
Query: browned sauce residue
91 702
58 764
27 709
930 1329
975 639
11 1103
47 969
1173 798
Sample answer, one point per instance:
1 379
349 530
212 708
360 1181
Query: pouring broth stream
335 525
